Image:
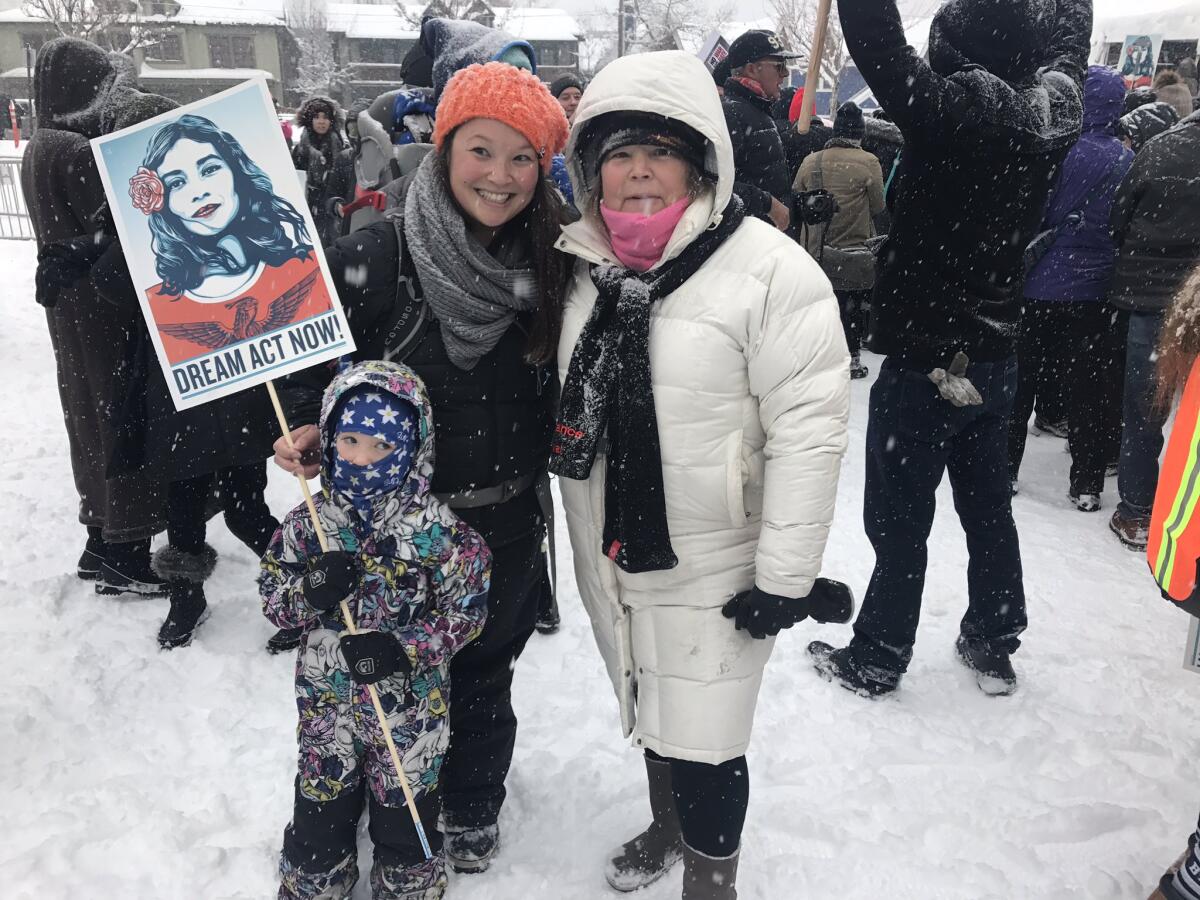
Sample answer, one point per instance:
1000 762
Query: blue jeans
913 437
1142 435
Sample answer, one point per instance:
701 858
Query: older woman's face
493 171
321 123
199 186
569 101
639 178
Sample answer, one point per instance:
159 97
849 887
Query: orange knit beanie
516 97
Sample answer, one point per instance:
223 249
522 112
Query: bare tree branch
795 21
113 24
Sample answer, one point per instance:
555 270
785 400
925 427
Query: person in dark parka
1066 319
319 152
757 68
986 121
1156 225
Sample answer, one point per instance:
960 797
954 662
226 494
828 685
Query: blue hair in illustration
212 211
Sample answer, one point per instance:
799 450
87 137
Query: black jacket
1156 220
760 166
979 158
492 424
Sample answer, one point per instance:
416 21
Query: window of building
167 48
1175 52
377 50
34 40
231 51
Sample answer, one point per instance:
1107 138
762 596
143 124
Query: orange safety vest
1174 545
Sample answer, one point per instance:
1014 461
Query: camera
814 207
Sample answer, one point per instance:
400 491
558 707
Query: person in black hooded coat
321 149
986 121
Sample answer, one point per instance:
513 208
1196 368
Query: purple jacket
1079 266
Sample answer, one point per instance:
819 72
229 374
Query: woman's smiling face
199 186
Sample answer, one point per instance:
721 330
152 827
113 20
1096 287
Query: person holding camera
854 179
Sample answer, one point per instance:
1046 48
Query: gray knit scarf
474 296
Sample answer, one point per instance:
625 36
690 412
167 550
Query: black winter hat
755 45
1007 37
849 122
611 131
562 82
1142 96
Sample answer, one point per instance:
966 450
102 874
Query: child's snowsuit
425 581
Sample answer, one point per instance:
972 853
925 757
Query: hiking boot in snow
284 639
1133 533
1085 502
120 578
857 369
993 668
709 877
548 618
1110 470
840 666
650 855
186 574
470 850
1054 429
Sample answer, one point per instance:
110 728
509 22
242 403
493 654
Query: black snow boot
469 850
650 855
709 877
186 574
92 558
548 618
840 666
993 668
127 569
284 639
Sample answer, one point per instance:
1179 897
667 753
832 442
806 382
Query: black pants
1074 342
851 305
322 834
483 726
914 437
241 490
187 501
711 801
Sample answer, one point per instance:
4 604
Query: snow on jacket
1079 265
758 155
1156 220
750 375
979 156
425 580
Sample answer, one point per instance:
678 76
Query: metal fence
14 216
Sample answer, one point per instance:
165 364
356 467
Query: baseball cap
756 45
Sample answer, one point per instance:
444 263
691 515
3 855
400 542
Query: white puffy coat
751 389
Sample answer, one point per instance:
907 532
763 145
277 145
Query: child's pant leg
400 870
319 858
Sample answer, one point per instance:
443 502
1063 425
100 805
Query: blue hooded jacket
1079 266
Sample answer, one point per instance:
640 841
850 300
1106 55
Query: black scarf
609 386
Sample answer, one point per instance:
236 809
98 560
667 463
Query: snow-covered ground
141 774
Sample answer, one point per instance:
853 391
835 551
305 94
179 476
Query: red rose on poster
146 190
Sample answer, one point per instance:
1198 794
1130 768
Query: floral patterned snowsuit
425 581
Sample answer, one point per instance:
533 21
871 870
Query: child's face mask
375 438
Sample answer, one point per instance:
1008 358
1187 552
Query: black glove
373 655
763 614
331 579
831 601
62 263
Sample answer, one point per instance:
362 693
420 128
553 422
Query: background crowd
1010 231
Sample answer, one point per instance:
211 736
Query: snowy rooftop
149 73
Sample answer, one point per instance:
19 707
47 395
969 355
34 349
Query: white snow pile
135 773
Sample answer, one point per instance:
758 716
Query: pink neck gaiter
638 241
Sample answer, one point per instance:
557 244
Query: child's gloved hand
373 655
330 580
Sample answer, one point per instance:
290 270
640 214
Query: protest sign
714 51
1139 58
220 245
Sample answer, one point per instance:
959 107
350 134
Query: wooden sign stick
813 78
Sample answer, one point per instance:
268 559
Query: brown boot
709 877
650 855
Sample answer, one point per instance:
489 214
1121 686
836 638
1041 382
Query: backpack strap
410 313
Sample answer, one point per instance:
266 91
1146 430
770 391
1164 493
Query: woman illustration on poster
236 259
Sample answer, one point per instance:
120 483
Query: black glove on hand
763 614
62 263
373 655
831 601
330 580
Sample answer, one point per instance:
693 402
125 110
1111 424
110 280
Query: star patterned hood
399 382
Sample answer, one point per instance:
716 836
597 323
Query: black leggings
240 493
711 802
